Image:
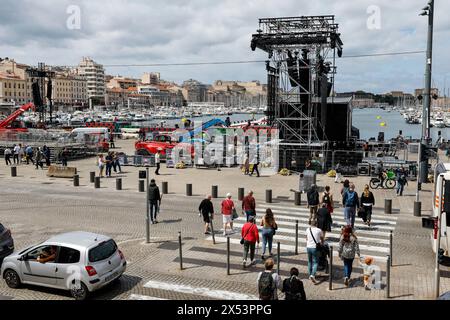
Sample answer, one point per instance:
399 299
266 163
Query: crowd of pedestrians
321 207
107 164
25 154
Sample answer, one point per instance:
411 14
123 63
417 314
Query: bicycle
388 182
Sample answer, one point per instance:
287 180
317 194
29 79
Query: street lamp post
426 111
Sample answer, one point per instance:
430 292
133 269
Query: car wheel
80 292
12 279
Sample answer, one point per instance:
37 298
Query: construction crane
13 116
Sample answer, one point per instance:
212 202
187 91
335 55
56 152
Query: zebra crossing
373 241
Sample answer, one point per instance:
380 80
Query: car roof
79 239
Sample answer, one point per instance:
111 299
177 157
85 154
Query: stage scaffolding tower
301 71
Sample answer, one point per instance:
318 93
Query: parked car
6 242
80 262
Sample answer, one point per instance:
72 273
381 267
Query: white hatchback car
81 262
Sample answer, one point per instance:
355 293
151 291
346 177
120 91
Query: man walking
16 152
206 209
7 155
158 161
351 203
313 203
401 181
227 214
249 205
154 198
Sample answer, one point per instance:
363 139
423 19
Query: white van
79 133
130 133
441 204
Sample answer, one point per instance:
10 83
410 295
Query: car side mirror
22 258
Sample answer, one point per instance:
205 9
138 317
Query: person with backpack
268 282
269 227
345 187
327 199
367 202
348 249
401 181
314 241
250 236
293 288
351 203
313 203
324 220
154 198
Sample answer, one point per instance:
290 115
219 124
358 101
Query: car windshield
103 251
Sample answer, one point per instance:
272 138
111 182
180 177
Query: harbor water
369 121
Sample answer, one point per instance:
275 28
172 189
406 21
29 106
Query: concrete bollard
215 192
92 176
189 190
388 206
417 209
268 196
97 183
76 180
165 187
13 171
241 192
141 185
298 198
118 183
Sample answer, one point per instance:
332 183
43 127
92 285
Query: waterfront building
95 78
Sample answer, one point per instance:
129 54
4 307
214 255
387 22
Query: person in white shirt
269 282
7 154
158 161
314 236
16 154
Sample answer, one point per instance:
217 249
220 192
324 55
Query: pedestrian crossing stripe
291 248
201 291
336 210
143 297
305 217
301 231
303 240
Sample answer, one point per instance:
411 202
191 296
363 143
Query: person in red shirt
227 214
250 235
249 205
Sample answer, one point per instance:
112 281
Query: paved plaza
36 207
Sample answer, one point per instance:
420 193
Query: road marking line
143 297
302 231
291 248
202 291
276 208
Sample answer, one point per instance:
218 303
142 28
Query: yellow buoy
383 124
378 117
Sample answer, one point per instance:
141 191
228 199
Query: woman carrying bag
269 229
367 202
250 236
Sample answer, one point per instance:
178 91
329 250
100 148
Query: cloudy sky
178 31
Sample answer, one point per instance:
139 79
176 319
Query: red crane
13 116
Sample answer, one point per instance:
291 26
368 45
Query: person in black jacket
313 203
154 198
367 201
324 220
293 288
206 209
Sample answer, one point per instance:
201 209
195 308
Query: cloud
139 32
